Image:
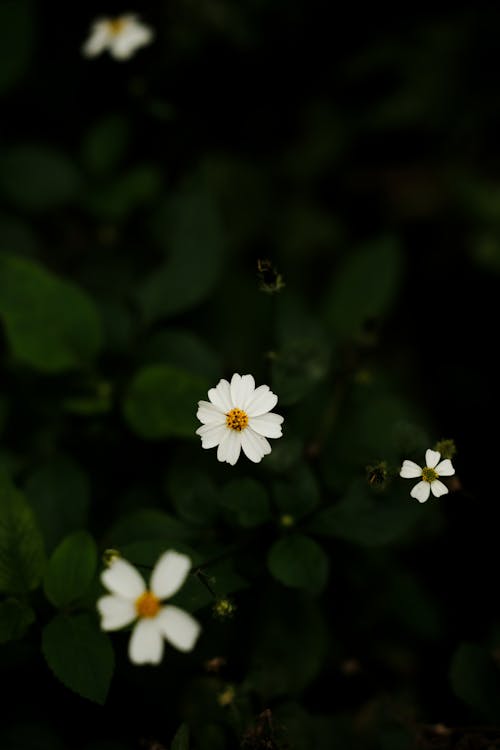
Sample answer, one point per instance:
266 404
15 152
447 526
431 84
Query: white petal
421 491
178 627
98 40
445 468
410 470
220 396
242 390
230 446
146 642
432 458
115 612
268 425
438 488
210 414
123 579
133 36
263 400
211 435
254 445
169 574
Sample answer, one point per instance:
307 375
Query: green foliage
71 569
364 516
126 193
298 494
79 655
246 502
193 236
15 618
51 325
38 178
105 144
161 402
475 679
364 288
21 547
181 739
299 562
193 494
147 524
17 32
59 493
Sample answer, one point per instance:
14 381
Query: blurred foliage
276 189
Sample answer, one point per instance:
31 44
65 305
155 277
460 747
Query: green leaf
105 144
181 739
134 188
298 494
290 644
367 517
59 494
80 655
364 288
184 350
17 237
17 33
21 548
246 501
194 237
147 524
162 401
38 178
71 569
51 324
193 494
299 562
15 618
475 679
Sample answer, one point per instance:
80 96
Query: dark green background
359 151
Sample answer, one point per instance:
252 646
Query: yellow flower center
237 419
147 605
116 25
429 475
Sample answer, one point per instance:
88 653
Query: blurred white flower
130 600
238 416
429 475
121 36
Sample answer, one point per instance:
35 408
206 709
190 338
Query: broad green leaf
194 238
80 655
15 618
71 569
21 547
51 324
38 178
147 523
193 494
181 739
364 288
161 402
475 679
290 644
17 33
116 200
298 494
246 502
367 517
299 562
222 578
59 494
105 144
184 350
17 237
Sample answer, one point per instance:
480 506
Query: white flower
130 600
121 36
238 416
429 474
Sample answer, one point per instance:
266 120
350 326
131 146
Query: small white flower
238 416
429 474
121 36
130 600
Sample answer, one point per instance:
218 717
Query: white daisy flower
121 36
130 600
238 416
429 474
